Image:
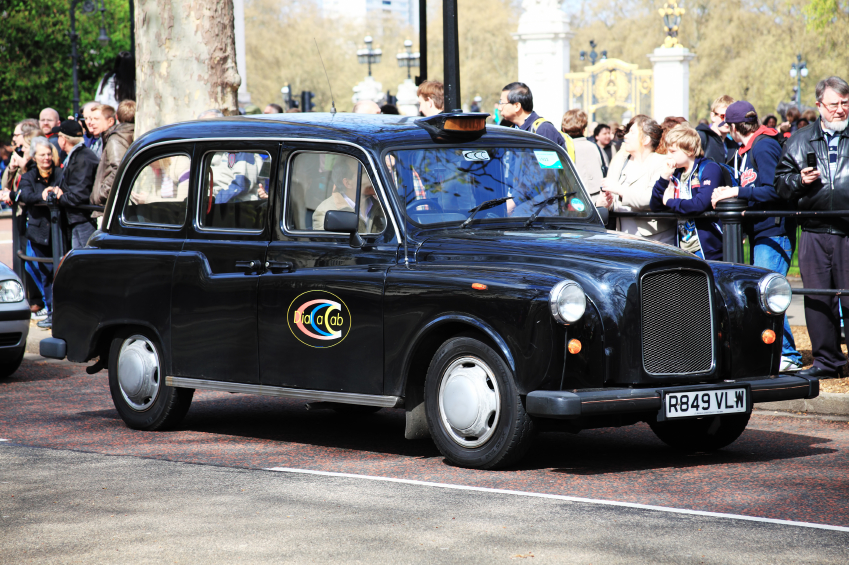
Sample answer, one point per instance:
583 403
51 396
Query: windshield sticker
548 159
578 205
319 319
476 155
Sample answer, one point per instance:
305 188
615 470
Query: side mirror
604 213
345 222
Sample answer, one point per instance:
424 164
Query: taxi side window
320 182
159 195
234 190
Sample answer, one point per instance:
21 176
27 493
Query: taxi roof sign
455 125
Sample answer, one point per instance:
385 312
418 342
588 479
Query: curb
827 403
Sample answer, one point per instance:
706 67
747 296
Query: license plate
705 402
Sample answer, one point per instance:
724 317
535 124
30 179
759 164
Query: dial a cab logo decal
319 319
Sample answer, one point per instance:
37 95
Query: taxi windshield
489 184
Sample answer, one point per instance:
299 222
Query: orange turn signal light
574 346
479 286
768 337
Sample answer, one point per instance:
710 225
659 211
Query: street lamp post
593 57
408 58
798 70
592 54
369 56
88 7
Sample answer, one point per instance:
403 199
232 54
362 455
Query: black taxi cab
455 270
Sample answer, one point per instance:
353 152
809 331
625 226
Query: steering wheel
432 202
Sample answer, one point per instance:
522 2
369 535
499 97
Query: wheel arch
432 335
102 339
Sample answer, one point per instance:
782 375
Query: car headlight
11 291
775 294
568 302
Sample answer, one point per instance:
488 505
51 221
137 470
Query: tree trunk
185 60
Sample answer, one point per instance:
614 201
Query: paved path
782 467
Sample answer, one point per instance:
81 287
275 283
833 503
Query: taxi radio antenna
330 88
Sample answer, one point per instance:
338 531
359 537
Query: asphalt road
77 486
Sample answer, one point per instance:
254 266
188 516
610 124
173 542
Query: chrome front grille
677 323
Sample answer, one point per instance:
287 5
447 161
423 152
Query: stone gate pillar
543 38
671 90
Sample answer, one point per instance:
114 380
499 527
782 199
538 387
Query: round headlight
11 291
568 302
775 294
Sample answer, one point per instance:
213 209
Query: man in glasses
717 144
814 171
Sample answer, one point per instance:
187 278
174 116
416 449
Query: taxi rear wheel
474 412
137 384
701 434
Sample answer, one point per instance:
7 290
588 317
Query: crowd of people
71 163
801 164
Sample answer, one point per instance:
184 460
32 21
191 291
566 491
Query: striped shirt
832 139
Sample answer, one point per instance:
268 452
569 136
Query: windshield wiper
540 206
486 205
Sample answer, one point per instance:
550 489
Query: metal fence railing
732 212
57 237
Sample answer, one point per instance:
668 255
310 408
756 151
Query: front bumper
570 405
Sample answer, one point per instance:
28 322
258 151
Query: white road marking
566 498
6 240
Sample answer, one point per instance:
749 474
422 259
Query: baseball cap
736 113
70 128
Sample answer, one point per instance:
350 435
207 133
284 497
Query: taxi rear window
160 192
441 185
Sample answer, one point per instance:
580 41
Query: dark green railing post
731 213
58 241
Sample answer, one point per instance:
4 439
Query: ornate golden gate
610 83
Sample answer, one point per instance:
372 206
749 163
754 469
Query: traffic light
306 101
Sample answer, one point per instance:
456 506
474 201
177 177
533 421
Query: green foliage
35 50
821 13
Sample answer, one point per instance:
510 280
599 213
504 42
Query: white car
15 317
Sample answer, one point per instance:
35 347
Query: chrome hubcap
138 372
469 402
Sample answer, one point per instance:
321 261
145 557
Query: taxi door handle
284 266
248 265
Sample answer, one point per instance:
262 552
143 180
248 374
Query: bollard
731 213
56 230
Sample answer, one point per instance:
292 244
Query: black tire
701 434
464 365
8 368
153 405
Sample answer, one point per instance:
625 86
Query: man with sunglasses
814 171
716 143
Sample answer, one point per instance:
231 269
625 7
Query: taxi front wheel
137 384
474 412
701 434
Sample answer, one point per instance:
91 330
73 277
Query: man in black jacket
824 247
77 181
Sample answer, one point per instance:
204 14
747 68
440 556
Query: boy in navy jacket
772 239
685 187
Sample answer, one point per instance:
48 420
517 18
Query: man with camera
77 181
814 172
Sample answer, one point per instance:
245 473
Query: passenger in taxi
344 178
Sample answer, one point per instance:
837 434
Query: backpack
570 143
